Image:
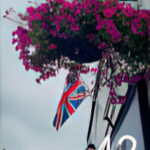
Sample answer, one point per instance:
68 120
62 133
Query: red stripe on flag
69 107
64 100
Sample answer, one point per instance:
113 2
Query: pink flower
38 81
14 41
126 77
52 46
113 100
109 12
57 27
38 16
112 92
119 79
46 76
49 1
44 25
31 10
75 28
53 74
120 5
100 25
110 26
102 45
17 48
88 11
66 4
22 17
116 36
112 30
26 64
122 99
44 7
128 10
106 3
36 69
135 25
77 12
100 22
94 70
97 17
33 17
103 72
14 33
143 15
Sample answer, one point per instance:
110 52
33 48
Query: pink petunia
135 25
14 41
128 10
112 30
52 46
120 5
100 25
38 16
102 45
119 79
31 10
113 100
77 12
109 12
75 28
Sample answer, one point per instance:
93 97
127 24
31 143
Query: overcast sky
28 109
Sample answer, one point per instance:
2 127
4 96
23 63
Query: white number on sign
106 142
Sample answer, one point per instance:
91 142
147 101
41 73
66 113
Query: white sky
28 109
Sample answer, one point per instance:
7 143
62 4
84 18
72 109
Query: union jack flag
74 93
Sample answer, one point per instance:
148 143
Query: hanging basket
65 34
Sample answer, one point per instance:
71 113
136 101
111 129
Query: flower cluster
81 31
22 40
115 71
